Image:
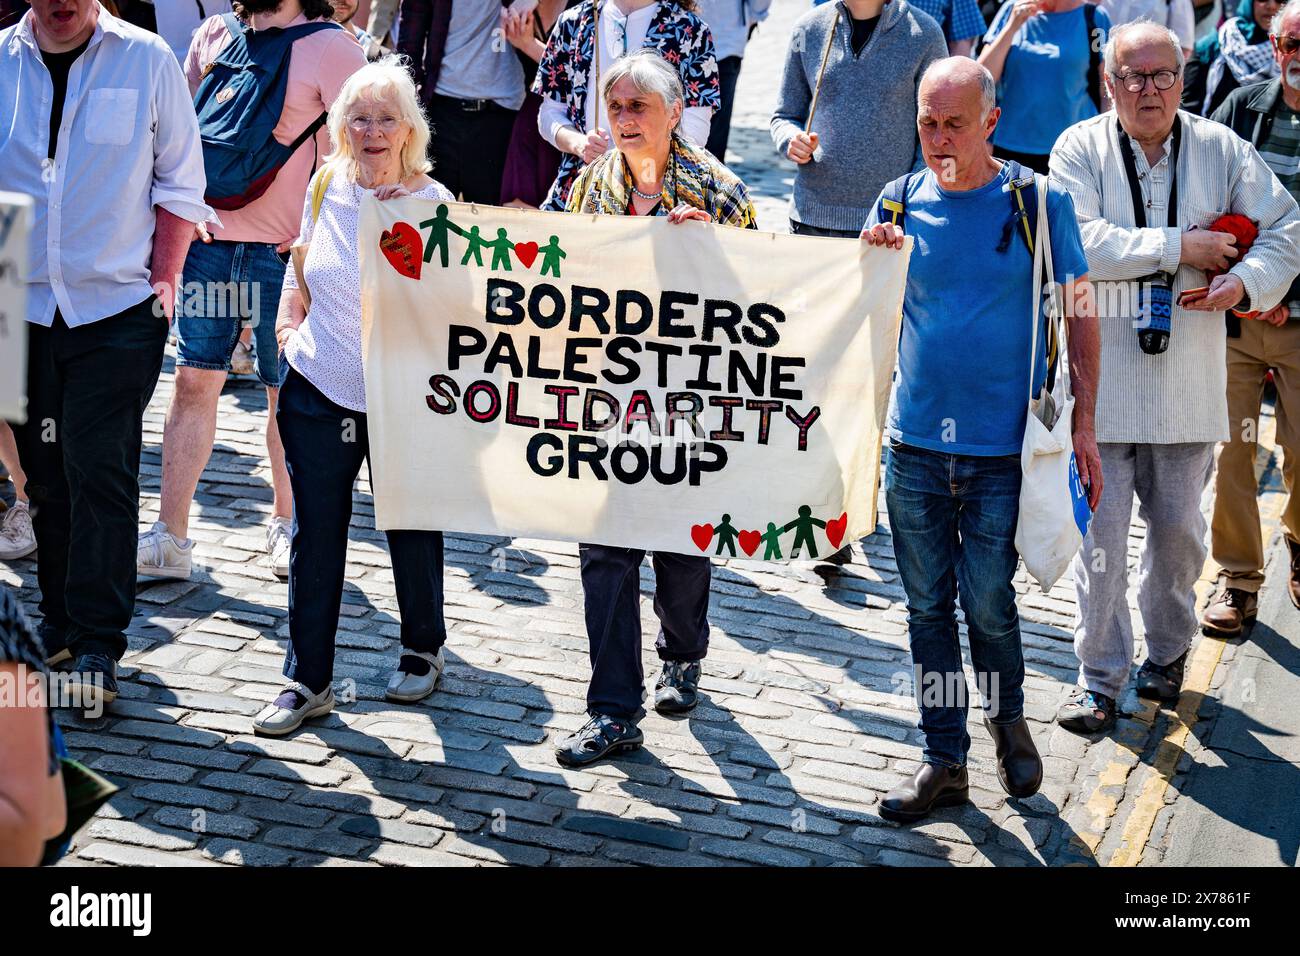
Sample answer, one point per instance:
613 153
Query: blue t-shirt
1044 85
963 355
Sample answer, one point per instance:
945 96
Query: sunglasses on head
1286 44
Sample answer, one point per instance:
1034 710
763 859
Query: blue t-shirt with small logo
963 354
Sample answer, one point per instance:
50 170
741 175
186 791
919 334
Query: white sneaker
17 539
279 535
241 361
160 554
277 720
409 688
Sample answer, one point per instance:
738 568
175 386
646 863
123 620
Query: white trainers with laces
160 554
17 539
279 534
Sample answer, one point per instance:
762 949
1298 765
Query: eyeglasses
386 124
1137 82
1286 44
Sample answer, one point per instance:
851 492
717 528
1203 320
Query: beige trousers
1236 539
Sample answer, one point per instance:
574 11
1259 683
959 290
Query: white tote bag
1054 512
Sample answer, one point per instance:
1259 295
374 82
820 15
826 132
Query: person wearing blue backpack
957 421
263 136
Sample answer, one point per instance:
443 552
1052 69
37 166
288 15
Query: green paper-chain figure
501 248
439 227
803 531
773 540
551 256
726 533
475 247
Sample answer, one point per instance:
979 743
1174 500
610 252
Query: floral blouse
681 38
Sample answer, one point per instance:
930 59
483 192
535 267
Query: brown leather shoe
1293 582
931 786
1231 611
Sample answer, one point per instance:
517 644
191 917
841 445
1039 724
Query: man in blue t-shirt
957 423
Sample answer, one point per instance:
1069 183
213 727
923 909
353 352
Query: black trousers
468 148
87 389
611 587
720 128
324 446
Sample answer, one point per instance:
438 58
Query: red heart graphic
401 246
749 541
702 534
835 529
527 253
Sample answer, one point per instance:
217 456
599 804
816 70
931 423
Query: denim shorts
224 287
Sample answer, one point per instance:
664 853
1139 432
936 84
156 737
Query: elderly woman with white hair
381 139
652 171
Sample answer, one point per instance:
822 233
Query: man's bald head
957 77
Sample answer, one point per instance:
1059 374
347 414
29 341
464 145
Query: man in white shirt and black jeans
90 93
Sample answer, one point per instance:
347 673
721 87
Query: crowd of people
1166 169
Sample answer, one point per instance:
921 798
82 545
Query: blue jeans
225 286
953 520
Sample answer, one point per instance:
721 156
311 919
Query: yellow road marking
1151 799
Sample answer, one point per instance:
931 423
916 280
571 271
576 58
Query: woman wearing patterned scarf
651 171
1237 55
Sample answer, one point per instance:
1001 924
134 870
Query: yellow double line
1209 651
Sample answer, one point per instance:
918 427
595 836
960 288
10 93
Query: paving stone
755 853
120 855
155 838
186 797
200 822
246 854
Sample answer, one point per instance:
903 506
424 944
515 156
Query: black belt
470 106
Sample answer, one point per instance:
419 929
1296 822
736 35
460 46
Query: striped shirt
1281 148
1180 394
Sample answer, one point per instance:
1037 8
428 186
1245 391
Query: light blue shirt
129 141
1044 86
729 22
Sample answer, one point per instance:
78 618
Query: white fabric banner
625 381
15 224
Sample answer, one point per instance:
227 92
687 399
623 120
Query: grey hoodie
866 113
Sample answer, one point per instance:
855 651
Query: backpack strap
232 24
1024 206
893 200
1094 55
319 183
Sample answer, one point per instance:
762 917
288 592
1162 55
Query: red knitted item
1244 231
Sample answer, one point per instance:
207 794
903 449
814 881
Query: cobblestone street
807 717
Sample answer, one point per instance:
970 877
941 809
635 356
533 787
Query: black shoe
930 787
1087 712
96 675
599 737
1156 682
677 689
1020 769
54 643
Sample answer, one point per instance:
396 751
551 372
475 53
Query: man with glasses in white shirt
1147 180
89 93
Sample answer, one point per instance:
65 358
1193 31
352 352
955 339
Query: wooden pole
826 55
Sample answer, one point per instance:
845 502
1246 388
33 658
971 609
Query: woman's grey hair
389 80
649 73
1288 8
1118 33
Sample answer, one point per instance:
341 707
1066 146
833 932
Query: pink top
318 67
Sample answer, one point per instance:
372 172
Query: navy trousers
611 586
324 445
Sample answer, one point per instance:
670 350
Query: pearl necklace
648 196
